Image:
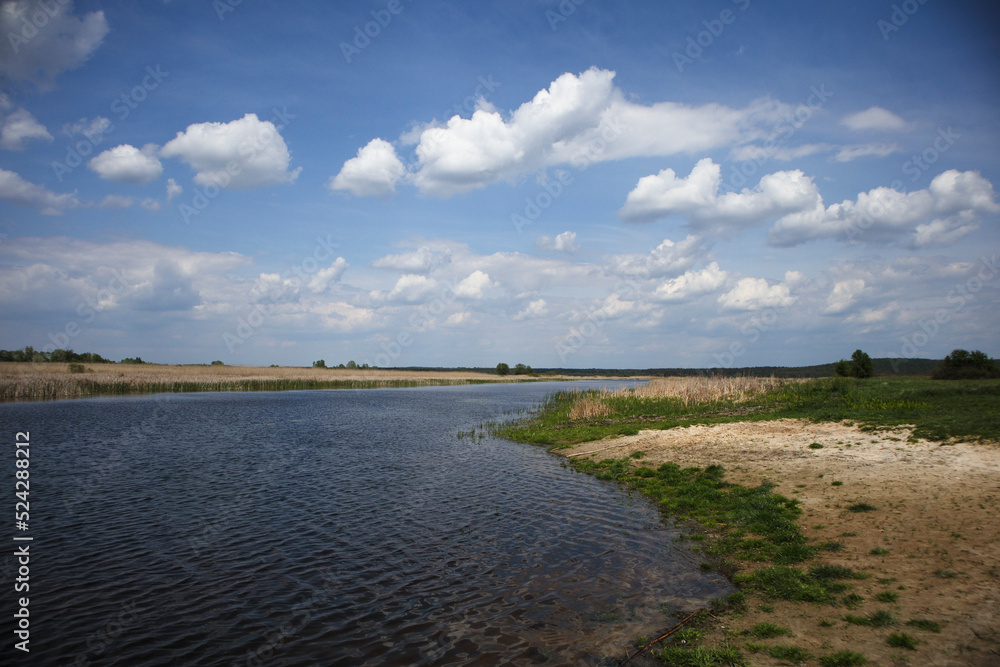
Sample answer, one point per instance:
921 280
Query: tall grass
27 381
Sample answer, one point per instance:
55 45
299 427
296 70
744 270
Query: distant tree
842 369
132 360
965 365
217 363
520 369
341 366
319 364
352 364
503 369
862 365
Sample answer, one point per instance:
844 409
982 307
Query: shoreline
24 381
928 550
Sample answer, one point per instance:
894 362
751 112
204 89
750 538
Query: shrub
503 369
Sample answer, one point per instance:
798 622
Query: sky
569 183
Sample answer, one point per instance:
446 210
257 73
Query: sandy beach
934 530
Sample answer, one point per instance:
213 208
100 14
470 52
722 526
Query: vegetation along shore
857 517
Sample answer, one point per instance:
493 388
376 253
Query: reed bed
31 382
686 391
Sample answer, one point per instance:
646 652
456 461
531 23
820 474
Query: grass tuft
843 659
924 624
902 640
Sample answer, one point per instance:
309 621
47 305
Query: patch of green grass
843 659
815 445
826 624
861 507
702 656
924 624
878 551
768 630
887 596
945 574
902 640
852 601
790 583
878 619
792 654
836 482
688 635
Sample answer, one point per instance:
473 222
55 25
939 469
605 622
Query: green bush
965 365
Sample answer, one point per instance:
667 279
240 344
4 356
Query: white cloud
668 258
415 261
323 278
692 283
759 154
578 120
373 173
18 127
875 118
537 308
89 128
151 205
62 43
849 153
474 286
843 296
756 294
954 201
115 202
173 189
127 164
242 154
412 287
565 242
697 198
457 319
15 189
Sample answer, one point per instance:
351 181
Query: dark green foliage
843 659
521 369
217 362
861 507
319 364
58 356
887 596
862 365
965 365
132 360
852 601
878 619
503 369
902 640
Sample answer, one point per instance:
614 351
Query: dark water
327 528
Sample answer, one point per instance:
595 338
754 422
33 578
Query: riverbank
929 548
854 536
49 381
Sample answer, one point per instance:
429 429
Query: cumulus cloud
757 153
537 308
475 285
18 127
173 189
697 198
373 173
412 287
115 202
843 295
322 279
875 118
242 154
565 242
578 120
151 205
16 190
756 294
421 260
950 207
692 283
850 153
42 40
668 258
128 164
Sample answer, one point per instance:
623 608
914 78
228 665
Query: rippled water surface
330 528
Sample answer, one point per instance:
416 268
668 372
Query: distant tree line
965 365
519 369
351 365
56 356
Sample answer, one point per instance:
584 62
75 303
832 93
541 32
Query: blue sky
563 184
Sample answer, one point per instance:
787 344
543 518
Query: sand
936 517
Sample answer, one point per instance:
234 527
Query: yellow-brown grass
689 390
30 381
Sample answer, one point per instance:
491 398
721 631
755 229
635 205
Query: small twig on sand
659 639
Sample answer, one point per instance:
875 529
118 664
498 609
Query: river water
328 528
